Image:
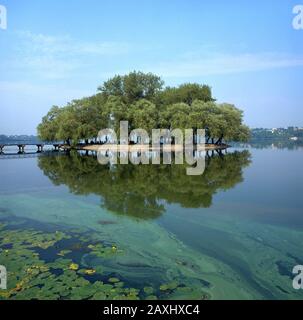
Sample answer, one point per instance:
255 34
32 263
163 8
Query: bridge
5 156
22 146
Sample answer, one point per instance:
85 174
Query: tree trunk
220 153
195 137
219 142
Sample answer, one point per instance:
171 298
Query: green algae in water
164 228
59 276
30 277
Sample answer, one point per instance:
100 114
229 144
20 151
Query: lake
71 228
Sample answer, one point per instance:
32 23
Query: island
142 100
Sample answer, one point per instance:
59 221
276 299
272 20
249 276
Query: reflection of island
140 191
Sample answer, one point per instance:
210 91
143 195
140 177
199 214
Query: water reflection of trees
140 191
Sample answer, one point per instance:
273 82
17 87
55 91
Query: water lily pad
119 284
62 253
148 290
169 286
99 296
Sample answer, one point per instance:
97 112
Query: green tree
143 114
176 116
115 111
48 128
186 93
67 125
133 87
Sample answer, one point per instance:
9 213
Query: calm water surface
73 229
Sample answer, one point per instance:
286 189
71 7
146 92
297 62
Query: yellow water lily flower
74 266
19 286
90 272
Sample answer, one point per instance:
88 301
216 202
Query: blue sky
55 51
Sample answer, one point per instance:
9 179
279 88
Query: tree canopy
141 99
133 87
186 93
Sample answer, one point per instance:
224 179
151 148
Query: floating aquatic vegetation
30 277
101 251
90 271
148 290
74 266
64 252
119 284
169 286
106 222
61 265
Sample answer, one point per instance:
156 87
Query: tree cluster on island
143 101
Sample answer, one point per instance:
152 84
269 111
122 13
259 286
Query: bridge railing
23 144
29 142
5 156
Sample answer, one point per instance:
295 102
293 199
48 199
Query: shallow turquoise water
235 232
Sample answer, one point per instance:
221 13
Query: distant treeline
18 138
143 101
277 133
